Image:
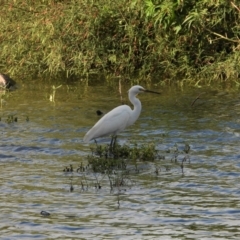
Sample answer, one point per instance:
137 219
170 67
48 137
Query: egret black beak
151 91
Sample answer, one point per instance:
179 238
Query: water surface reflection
201 204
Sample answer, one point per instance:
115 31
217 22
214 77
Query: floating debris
45 214
99 113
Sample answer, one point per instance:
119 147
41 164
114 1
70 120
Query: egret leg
115 140
113 143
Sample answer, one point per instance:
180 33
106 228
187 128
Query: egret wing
110 124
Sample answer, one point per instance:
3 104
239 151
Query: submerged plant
105 159
12 118
116 166
52 96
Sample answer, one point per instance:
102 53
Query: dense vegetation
150 39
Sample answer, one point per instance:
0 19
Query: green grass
196 42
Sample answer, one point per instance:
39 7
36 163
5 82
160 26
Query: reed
196 42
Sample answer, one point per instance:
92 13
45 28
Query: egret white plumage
119 118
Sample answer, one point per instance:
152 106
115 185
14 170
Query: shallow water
202 203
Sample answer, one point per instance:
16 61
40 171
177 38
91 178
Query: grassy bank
175 39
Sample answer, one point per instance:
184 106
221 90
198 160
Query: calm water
202 203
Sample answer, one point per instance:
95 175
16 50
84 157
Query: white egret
119 118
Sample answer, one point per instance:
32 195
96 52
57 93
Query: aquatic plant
52 96
12 118
117 166
104 159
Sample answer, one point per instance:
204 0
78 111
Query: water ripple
201 203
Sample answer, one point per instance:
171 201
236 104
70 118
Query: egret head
139 89
134 90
